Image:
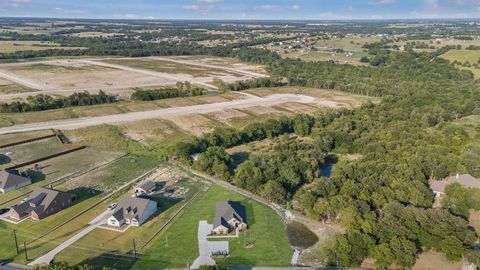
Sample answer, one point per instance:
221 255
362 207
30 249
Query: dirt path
250 101
23 81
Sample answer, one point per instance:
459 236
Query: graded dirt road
250 101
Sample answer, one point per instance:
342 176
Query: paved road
14 266
75 123
47 258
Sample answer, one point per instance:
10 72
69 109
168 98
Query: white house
229 216
132 211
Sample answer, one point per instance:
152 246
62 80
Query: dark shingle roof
12 178
130 207
42 200
227 210
147 186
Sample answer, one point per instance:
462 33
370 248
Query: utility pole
16 242
134 249
25 249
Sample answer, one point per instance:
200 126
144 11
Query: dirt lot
70 74
8 87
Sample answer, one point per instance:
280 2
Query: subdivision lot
75 75
177 246
103 247
90 193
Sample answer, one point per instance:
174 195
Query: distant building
11 180
229 215
41 203
146 188
132 211
465 180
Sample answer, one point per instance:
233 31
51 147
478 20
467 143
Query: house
41 203
146 188
132 211
229 215
465 180
11 180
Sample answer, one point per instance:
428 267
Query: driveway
47 258
250 101
205 247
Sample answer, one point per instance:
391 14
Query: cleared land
9 87
266 232
464 56
14 46
133 116
119 75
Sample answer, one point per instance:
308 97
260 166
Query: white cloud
296 7
382 2
268 7
202 6
17 3
132 16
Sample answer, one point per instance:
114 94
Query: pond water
326 170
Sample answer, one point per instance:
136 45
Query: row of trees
182 89
249 84
43 102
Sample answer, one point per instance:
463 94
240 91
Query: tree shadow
248 203
239 158
4 159
84 193
36 175
163 203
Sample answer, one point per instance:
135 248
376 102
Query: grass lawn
14 46
463 56
102 247
178 246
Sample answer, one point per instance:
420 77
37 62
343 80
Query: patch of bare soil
194 124
432 260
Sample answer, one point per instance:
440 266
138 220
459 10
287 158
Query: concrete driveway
47 258
205 247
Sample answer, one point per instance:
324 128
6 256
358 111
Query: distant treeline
184 89
43 102
248 84
135 48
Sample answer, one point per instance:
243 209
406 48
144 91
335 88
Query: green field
178 246
464 56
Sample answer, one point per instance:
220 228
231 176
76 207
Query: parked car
2 263
112 206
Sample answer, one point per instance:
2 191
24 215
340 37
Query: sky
242 9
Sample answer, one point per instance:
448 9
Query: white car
112 206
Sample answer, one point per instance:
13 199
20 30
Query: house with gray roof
466 180
229 216
12 179
41 203
132 211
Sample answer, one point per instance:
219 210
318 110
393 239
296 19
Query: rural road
47 258
250 101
